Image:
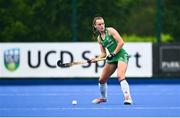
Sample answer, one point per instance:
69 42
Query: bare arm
118 39
103 52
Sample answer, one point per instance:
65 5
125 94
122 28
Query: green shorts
120 57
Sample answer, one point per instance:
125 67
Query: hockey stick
60 64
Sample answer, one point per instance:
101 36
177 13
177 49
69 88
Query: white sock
103 90
125 88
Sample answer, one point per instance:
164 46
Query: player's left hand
92 60
89 61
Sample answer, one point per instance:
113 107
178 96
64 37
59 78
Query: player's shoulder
111 29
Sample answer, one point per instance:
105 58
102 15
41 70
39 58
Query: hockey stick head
63 65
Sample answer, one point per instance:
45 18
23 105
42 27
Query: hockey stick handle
99 59
78 62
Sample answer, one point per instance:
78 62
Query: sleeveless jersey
110 43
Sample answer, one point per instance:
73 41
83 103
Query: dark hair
95 33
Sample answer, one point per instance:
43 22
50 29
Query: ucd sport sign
39 59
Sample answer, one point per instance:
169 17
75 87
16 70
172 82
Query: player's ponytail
95 33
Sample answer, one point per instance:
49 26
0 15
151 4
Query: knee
121 76
102 80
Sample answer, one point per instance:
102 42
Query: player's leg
108 70
121 70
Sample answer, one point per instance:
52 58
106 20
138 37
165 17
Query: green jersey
110 43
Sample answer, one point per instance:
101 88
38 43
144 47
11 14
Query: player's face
99 25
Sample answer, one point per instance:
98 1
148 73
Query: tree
35 20
171 18
51 20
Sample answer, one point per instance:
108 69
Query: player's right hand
110 56
92 60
